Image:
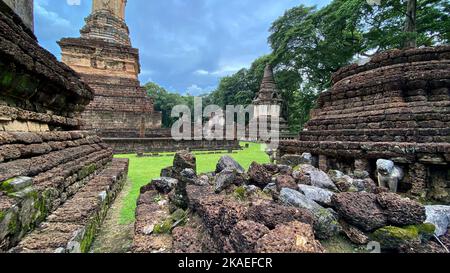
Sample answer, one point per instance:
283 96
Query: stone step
73 226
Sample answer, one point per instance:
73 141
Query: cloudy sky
185 45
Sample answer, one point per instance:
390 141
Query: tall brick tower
105 59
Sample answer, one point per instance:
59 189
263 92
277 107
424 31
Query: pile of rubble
278 209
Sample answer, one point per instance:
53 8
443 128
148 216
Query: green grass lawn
143 169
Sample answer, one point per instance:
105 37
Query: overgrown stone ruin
378 136
56 182
375 151
395 107
278 209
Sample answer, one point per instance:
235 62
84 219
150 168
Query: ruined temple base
150 145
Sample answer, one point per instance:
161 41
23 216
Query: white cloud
73 2
195 90
201 72
224 70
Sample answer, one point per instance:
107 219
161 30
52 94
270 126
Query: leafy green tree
309 44
164 101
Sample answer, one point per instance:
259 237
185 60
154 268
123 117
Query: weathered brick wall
394 107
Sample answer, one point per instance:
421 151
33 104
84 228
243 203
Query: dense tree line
309 44
164 101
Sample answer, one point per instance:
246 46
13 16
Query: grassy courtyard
143 169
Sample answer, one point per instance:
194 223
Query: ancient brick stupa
394 107
56 182
268 103
104 58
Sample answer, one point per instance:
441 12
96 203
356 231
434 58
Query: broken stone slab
367 185
317 177
335 175
272 214
202 180
285 169
440 217
293 237
270 188
246 234
224 179
251 189
321 196
345 183
401 211
185 240
355 235
189 176
360 209
295 160
227 162
285 181
164 184
16 184
326 224
259 175
184 160
167 172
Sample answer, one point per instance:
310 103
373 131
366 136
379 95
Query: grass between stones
143 169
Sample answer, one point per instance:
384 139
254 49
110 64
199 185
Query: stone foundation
149 145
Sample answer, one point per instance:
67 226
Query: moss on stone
7 78
178 215
2 215
405 233
158 198
391 237
13 225
86 171
6 187
240 193
88 238
26 193
427 228
164 227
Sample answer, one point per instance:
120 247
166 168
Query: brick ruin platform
56 182
121 112
394 107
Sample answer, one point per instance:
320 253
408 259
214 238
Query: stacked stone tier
58 164
72 227
396 106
